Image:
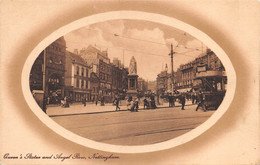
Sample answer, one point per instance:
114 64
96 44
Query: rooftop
75 58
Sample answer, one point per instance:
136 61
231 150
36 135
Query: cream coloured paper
232 25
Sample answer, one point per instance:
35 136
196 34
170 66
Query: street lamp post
44 72
172 76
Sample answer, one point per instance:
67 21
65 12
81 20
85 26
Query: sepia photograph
128 82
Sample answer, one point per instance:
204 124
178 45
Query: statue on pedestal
132 79
132 67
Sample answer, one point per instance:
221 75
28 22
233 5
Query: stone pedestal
132 86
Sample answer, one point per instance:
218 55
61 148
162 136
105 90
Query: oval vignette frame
134 15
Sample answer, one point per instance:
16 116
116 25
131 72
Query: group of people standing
149 102
65 103
172 99
133 103
197 98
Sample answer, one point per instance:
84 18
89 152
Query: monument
132 79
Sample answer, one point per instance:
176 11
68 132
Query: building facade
186 73
117 80
94 86
48 71
36 74
77 78
112 76
105 77
100 64
93 56
162 82
151 86
142 86
124 80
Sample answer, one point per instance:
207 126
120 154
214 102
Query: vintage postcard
120 82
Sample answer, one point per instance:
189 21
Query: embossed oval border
134 15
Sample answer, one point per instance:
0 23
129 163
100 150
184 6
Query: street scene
124 128
128 82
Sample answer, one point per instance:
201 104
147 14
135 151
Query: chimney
76 51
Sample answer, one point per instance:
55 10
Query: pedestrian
152 102
84 101
146 103
197 98
117 103
132 105
102 101
44 108
173 100
182 101
170 100
66 101
96 100
157 98
129 101
48 100
201 102
188 96
137 104
193 97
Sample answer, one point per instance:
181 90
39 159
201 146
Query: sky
149 43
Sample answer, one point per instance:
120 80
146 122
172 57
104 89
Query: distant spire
166 67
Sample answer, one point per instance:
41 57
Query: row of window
117 76
215 65
95 90
54 80
105 68
59 61
54 48
188 82
83 71
106 77
166 83
79 96
105 85
190 74
83 84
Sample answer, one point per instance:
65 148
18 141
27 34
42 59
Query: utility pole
172 77
44 72
123 57
44 82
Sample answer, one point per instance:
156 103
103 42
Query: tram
211 86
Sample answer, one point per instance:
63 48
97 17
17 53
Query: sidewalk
90 108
